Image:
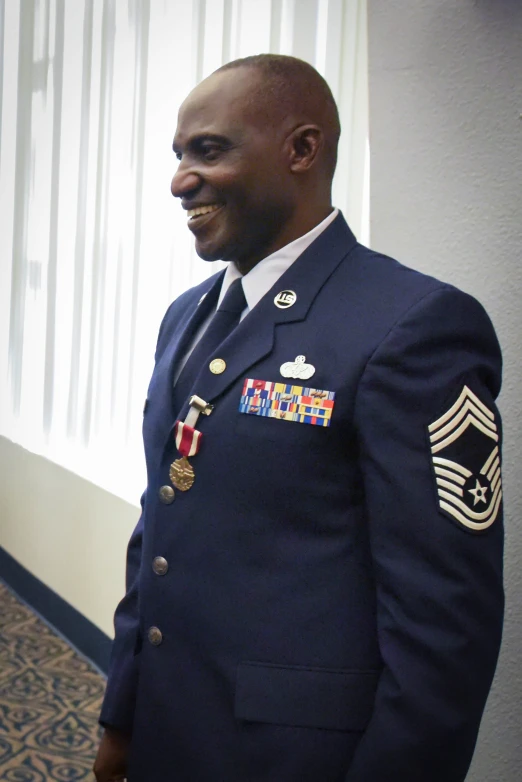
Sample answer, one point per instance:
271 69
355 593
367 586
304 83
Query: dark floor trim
74 626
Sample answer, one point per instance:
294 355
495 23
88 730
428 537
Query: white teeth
202 210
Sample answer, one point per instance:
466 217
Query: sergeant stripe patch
466 462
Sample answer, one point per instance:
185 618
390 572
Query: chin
208 254
217 250
230 248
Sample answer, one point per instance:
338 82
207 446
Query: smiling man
314 587
237 143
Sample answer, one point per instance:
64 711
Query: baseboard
70 623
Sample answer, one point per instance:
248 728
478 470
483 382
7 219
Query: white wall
446 198
68 532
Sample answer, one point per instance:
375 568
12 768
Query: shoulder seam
402 316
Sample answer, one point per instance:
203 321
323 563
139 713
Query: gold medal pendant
182 474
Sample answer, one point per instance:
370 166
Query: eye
178 155
210 151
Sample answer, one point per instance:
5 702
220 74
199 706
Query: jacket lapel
173 343
254 337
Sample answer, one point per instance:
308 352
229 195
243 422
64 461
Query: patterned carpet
50 699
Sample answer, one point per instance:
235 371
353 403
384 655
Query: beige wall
68 532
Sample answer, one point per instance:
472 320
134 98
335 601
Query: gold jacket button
160 566
217 366
155 636
166 495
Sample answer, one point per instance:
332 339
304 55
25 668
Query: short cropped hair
295 87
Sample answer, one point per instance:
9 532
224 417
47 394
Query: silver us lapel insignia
285 299
466 461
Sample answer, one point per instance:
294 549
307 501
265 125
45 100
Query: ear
305 143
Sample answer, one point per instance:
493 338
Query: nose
184 182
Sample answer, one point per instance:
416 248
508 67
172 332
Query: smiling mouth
199 211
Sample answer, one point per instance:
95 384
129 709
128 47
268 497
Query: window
93 248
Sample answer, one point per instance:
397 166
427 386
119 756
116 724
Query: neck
293 231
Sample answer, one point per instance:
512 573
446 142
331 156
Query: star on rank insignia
466 462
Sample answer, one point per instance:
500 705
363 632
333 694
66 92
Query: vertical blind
93 247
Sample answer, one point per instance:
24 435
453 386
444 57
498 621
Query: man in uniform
314 587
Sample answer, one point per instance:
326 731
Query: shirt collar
265 274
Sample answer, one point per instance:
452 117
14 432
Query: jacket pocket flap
305 697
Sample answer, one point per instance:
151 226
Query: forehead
224 103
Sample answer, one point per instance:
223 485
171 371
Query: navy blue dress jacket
332 607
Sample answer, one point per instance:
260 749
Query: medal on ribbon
181 474
188 442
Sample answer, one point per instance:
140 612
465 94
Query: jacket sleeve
120 695
436 546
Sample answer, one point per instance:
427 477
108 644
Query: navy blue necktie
224 321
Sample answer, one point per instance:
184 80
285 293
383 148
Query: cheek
253 194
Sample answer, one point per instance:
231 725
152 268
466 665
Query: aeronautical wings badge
466 461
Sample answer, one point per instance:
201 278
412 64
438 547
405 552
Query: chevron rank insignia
466 461
287 402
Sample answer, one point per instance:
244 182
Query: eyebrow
197 141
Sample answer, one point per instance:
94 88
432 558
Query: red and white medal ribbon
187 437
